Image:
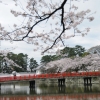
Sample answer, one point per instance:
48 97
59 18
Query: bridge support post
32 84
61 82
87 81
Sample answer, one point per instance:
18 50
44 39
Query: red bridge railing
52 75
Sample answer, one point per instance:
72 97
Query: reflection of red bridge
53 97
60 76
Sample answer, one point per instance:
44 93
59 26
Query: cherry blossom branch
38 12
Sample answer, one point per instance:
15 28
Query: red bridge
60 76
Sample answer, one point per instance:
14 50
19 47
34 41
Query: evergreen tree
33 64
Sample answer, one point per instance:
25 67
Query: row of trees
73 60
24 62
66 52
20 59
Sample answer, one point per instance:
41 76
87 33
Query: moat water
22 91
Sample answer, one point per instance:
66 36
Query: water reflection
14 88
21 91
54 97
87 89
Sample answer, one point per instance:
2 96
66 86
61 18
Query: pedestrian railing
50 75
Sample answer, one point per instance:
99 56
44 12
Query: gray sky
90 40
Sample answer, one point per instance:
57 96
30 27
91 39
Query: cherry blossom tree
87 63
46 23
6 61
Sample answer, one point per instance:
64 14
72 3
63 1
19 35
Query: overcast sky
90 40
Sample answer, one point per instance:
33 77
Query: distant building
39 70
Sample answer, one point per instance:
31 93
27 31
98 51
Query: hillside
95 49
